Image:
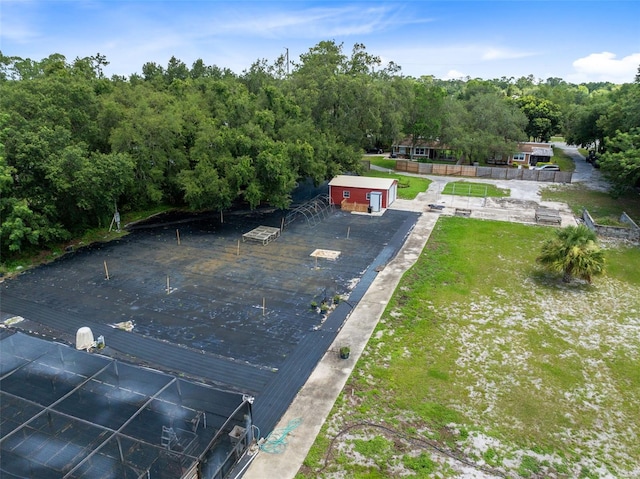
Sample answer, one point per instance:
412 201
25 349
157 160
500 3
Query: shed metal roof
362 182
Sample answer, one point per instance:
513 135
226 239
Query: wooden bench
548 217
433 207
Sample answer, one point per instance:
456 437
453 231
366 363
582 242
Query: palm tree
574 252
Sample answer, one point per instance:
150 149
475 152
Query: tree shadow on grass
553 282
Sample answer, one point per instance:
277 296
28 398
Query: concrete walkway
316 398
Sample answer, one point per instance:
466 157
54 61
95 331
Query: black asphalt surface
211 325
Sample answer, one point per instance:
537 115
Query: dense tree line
74 145
609 124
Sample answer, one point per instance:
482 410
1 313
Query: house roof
420 142
362 182
541 151
538 149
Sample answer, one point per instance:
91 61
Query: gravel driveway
584 173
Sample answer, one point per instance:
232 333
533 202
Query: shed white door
375 201
393 194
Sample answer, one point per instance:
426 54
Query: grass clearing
480 190
601 205
504 366
408 186
564 161
382 162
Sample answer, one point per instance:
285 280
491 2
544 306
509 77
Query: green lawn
382 162
504 366
408 186
468 188
564 161
560 158
602 206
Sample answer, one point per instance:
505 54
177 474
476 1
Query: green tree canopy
621 162
488 125
76 144
425 114
544 117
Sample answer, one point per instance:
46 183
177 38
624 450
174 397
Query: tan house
531 153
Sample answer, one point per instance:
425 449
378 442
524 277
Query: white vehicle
548 167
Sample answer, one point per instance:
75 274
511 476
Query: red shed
377 193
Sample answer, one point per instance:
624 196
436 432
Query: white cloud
16 28
314 22
454 75
449 60
19 34
605 67
492 53
230 37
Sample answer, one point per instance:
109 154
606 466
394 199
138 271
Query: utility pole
287 60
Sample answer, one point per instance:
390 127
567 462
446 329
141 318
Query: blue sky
578 41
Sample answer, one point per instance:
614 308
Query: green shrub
422 464
529 465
